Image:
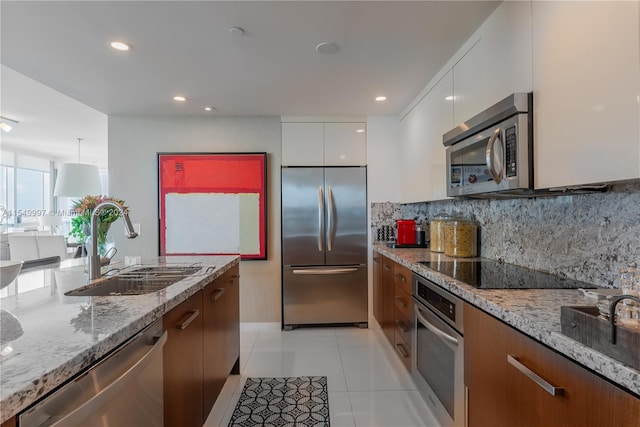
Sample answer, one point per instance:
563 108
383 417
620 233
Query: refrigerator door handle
320 219
325 271
331 222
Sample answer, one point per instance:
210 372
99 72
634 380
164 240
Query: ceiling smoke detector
327 48
236 31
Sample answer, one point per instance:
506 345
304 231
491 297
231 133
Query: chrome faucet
94 258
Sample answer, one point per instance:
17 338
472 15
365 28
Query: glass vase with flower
81 222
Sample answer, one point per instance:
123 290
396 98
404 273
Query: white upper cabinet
324 144
423 155
497 64
586 82
302 144
345 144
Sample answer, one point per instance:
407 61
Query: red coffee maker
406 231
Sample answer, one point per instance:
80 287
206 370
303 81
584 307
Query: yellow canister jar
436 232
460 238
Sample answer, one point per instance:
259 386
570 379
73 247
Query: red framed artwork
213 204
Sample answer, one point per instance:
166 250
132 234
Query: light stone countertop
64 335
535 312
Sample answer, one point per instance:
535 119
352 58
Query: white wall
133 144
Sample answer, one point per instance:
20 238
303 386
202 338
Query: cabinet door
302 144
498 64
345 144
440 117
183 353
377 288
387 298
586 63
501 394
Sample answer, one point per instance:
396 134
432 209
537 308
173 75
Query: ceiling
390 48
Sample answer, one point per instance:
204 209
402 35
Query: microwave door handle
320 218
489 156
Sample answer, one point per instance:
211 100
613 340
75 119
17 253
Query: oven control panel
437 301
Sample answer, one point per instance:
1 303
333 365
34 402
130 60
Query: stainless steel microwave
493 151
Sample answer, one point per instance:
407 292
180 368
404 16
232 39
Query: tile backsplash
587 237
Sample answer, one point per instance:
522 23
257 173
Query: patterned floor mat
283 402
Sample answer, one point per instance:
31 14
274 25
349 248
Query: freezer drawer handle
553 391
330 271
112 389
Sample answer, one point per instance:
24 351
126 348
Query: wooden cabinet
202 349
500 394
221 334
586 63
392 293
387 299
402 313
377 287
183 358
324 144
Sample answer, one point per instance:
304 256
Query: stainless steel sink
138 281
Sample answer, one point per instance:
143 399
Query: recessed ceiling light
381 98
210 109
179 98
449 98
326 47
120 46
360 130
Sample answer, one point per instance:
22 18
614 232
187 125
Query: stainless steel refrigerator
324 246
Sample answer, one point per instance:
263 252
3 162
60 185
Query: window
25 189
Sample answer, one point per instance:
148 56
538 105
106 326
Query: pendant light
77 179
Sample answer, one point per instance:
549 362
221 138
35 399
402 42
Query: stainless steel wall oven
438 351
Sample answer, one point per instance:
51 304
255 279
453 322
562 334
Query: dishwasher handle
81 413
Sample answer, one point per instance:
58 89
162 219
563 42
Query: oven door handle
448 339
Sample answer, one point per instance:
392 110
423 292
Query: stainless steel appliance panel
303 216
346 216
325 295
124 389
438 351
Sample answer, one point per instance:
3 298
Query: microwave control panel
511 159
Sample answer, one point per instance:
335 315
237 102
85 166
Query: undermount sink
137 281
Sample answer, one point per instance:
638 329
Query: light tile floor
368 385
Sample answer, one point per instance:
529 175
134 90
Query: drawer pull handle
217 294
403 351
401 277
401 326
553 391
402 302
386 267
190 317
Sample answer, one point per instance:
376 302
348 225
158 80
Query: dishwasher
123 389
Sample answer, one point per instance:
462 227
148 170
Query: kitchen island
534 312
64 335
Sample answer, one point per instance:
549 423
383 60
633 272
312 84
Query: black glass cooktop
488 274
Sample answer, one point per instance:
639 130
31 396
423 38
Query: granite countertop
535 312
63 335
